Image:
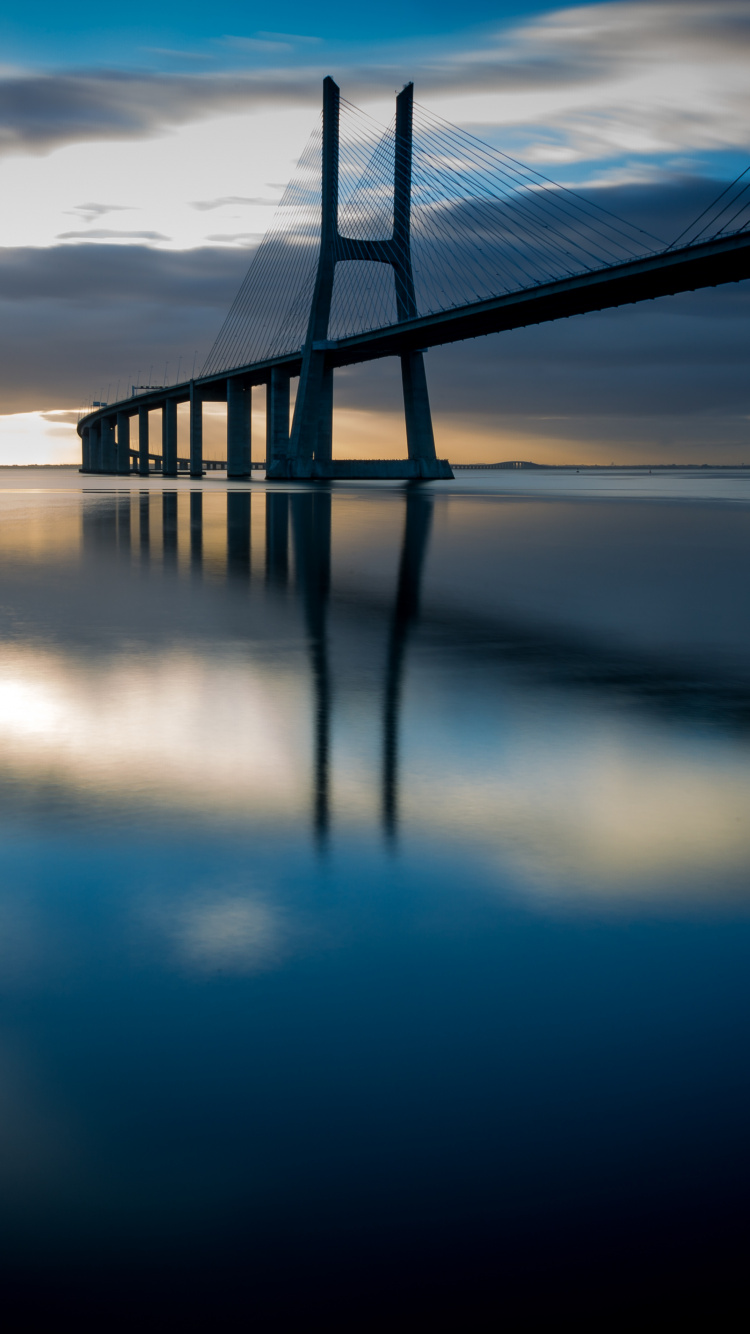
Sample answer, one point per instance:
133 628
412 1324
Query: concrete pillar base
351 470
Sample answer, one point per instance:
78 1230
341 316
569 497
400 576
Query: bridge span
301 448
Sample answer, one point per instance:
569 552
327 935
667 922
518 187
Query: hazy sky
142 156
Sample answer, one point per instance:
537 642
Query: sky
141 161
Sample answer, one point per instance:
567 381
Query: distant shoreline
508 466
595 467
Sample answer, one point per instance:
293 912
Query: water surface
374 890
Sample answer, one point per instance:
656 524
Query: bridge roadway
709 264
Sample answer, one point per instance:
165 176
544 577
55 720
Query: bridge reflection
302 521
269 554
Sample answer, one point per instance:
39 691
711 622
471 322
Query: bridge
388 242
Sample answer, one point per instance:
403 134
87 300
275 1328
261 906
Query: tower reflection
405 615
311 520
311 527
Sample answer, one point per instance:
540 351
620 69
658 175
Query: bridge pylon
309 450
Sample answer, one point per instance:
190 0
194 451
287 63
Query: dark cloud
74 318
39 112
94 276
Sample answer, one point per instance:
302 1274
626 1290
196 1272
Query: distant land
599 467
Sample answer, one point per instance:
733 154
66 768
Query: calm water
374 898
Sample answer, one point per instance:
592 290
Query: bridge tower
312 427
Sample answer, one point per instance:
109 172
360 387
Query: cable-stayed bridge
388 241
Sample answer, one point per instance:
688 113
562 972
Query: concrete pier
143 450
108 462
123 444
169 438
86 449
324 446
95 446
352 470
196 432
419 435
239 427
277 416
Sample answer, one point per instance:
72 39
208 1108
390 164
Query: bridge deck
665 274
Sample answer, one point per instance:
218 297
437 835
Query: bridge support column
123 444
239 428
169 438
419 437
143 441
108 445
324 446
277 417
95 446
196 432
86 450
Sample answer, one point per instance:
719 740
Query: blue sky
143 152
146 34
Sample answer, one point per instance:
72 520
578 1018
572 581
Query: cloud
616 78
290 37
91 211
231 238
39 438
205 205
60 415
93 275
108 234
256 45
